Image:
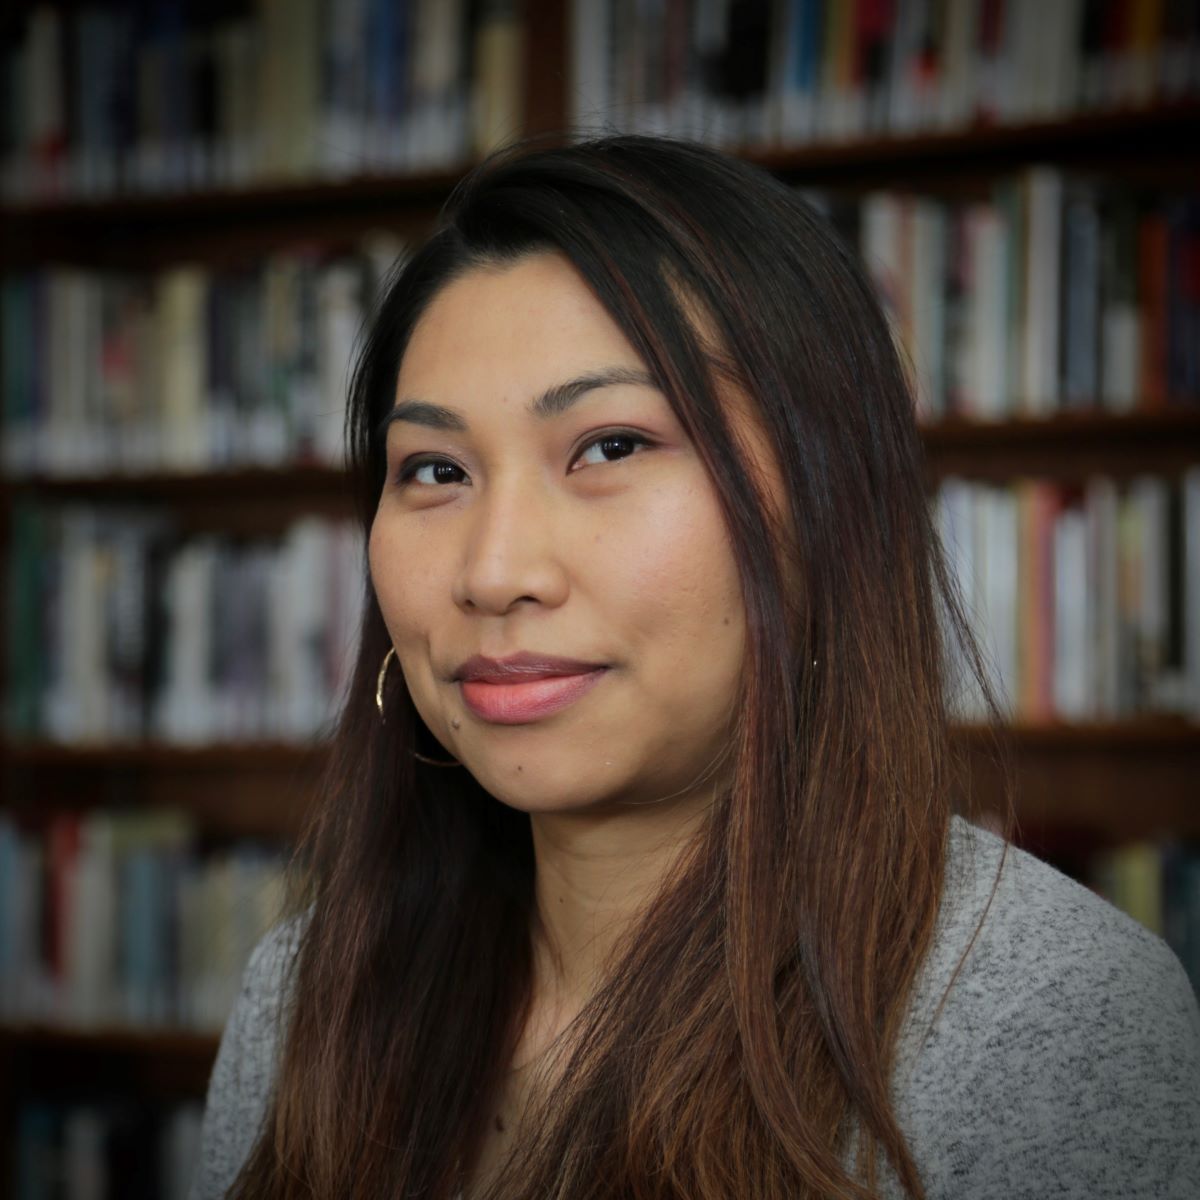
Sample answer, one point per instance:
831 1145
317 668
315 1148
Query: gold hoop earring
387 658
433 762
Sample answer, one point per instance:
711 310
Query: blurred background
198 204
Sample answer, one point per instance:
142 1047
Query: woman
643 871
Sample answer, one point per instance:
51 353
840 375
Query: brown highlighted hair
752 1021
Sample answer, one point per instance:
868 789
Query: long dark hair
753 1018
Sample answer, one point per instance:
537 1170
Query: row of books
1085 597
115 919
121 628
1059 293
129 97
87 1151
1158 883
186 370
111 918
759 73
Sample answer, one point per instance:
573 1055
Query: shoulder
1044 937
1065 1058
244 1070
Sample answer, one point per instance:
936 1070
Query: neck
595 874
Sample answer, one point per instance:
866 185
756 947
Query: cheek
401 583
409 601
688 593
383 570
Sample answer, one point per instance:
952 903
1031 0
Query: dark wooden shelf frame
992 146
295 481
1066 446
164 1065
1075 779
1139 734
122 1038
987 149
151 755
1063 445
197 225
1118 779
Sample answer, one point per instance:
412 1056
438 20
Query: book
122 628
116 918
170 96
1055 294
75 1150
187 370
1082 596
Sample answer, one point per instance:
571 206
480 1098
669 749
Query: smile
529 700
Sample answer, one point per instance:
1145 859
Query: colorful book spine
75 1150
112 99
1085 597
1157 882
189 370
1057 296
116 919
138 632
802 71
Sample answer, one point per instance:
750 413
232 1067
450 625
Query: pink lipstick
524 686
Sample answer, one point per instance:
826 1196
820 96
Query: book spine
136 921
1152 275
1083 595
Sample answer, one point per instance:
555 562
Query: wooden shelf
164 1064
265 201
247 501
229 223
303 480
994 145
1076 784
1137 735
1065 445
1113 138
119 1039
1098 783
264 791
101 756
1118 779
1109 781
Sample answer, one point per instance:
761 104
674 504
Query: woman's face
584 526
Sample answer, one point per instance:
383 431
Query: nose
512 539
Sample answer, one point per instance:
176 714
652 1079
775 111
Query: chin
545 790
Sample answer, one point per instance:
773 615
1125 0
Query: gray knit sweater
1065 1062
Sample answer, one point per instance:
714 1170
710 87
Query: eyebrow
552 402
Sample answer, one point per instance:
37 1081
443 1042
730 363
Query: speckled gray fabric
1065 1062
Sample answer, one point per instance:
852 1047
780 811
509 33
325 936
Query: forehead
522 324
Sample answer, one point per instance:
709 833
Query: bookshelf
1082 785
171 1066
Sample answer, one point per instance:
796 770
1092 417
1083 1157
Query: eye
430 471
620 442
606 448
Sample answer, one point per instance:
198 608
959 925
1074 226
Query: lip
525 686
524 667
517 703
